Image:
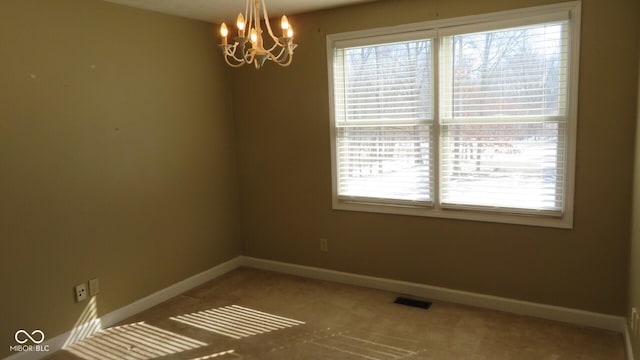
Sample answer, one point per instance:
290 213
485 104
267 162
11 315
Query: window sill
564 221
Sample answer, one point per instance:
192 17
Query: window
471 118
384 120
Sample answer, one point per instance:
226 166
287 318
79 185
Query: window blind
503 113
383 122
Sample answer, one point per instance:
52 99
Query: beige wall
116 159
285 179
634 274
125 170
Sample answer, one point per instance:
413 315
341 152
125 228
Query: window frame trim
515 17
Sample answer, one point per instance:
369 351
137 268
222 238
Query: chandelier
238 53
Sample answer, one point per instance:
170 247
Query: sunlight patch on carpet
236 321
362 347
138 341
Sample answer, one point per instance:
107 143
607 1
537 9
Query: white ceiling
216 11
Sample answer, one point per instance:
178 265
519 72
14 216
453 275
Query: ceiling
216 11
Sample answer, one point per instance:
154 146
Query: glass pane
505 165
508 73
385 162
383 83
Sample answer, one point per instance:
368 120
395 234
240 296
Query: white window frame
518 17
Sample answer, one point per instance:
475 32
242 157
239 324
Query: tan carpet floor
253 314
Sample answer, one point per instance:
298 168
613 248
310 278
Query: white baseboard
557 313
169 292
550 312
627 342
127 311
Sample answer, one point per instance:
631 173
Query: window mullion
435 134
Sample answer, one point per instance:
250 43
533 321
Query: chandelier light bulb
241 25
240 22
223 30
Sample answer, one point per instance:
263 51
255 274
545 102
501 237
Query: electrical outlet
324 245
94 287
634 320
81 292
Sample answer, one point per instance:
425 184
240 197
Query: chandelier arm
226 48
249 15
275 46
249 56
268 23
246 12
289 46
276 58
237 65
234 58
230 52
287 63
271 56
285 50
283 59
278 43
